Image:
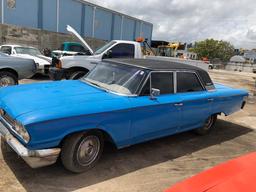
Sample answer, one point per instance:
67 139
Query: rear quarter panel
24 67
227 100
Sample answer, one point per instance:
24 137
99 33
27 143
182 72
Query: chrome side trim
175 81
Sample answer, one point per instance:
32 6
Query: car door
155 117
196 102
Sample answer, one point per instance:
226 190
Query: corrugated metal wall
88 19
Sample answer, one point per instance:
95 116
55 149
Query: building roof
237 59
160 65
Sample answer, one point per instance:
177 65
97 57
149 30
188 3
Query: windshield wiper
97 85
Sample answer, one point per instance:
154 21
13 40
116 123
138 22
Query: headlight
21 130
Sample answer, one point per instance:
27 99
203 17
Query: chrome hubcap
6 81
88 150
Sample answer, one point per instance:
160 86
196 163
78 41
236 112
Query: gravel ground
151 166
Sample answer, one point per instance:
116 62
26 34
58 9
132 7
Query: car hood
76 34
90 57
40 60
45 101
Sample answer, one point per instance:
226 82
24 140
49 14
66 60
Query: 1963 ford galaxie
125 101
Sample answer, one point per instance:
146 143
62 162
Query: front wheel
7 79
208 125
81 151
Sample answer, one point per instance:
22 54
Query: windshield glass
102 49
27 50
116 78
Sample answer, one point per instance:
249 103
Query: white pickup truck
74 67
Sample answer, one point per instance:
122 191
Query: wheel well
69 71
107 137
77 69
11 71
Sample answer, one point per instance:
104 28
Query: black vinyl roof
153 64
158 65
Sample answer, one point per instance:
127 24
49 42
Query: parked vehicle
236 175
125 101
12 69
43 63
74 67
69 49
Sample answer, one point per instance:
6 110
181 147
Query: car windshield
117 78
102 49
27 50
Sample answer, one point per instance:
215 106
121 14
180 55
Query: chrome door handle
210 99
178 104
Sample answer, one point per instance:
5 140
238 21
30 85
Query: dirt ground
151 166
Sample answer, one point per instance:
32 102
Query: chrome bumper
34 158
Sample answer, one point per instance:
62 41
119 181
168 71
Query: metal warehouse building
89 19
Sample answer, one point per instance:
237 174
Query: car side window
159 80
6 50
188 82
123 50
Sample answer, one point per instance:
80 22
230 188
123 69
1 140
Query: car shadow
115 163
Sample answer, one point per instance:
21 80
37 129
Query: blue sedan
125 101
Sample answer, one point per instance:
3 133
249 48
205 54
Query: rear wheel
77 75
208 126
81 151
7 78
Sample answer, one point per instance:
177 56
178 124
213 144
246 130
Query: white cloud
192 20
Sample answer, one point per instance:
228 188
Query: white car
75 67
43 63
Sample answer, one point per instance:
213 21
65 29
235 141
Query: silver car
13 69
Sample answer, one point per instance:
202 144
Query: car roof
160 65
13 45
153 64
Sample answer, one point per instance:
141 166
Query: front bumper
34 158
56 73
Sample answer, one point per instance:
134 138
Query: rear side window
188 82
162 81
123 50
6 50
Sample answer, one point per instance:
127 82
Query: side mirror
108 54
154 93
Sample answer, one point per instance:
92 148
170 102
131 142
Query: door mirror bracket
154 93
